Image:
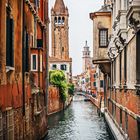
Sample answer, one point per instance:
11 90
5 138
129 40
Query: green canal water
79 121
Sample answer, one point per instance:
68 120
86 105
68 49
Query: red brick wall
131 101
54 102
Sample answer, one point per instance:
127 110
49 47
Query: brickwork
55 104
23 99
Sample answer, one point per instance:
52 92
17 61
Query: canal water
79 121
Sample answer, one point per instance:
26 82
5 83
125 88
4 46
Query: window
27 53
94 84
54 66
63 67
101 83
33 62
63 20
103 37
9 40
59 20
55 20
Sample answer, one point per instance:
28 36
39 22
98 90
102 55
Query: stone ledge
114 130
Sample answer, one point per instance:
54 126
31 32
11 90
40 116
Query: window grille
103 37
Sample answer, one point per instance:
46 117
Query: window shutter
9 42
12 42
27 53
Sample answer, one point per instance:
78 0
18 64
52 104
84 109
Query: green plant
71 89
57 78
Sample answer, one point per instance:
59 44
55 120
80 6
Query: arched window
55 20
59 20
63 20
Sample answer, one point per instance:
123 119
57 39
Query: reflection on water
79 122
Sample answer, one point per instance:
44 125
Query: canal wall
55 104
117 135
111 124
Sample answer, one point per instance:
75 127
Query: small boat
86 99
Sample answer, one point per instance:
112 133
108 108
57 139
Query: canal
78 122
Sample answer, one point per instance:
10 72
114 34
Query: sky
80 28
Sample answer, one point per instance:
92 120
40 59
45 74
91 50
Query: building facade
60 39
23 41
121 66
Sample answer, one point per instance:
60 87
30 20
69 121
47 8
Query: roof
59 6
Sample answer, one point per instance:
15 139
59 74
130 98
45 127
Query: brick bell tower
60 30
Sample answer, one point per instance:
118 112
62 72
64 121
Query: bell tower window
63 20
55 20
59 20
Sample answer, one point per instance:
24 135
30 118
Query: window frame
94 84
32 69
101 83
54 68
64 66
100 30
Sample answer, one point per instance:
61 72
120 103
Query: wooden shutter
27 53
9 42
12 42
